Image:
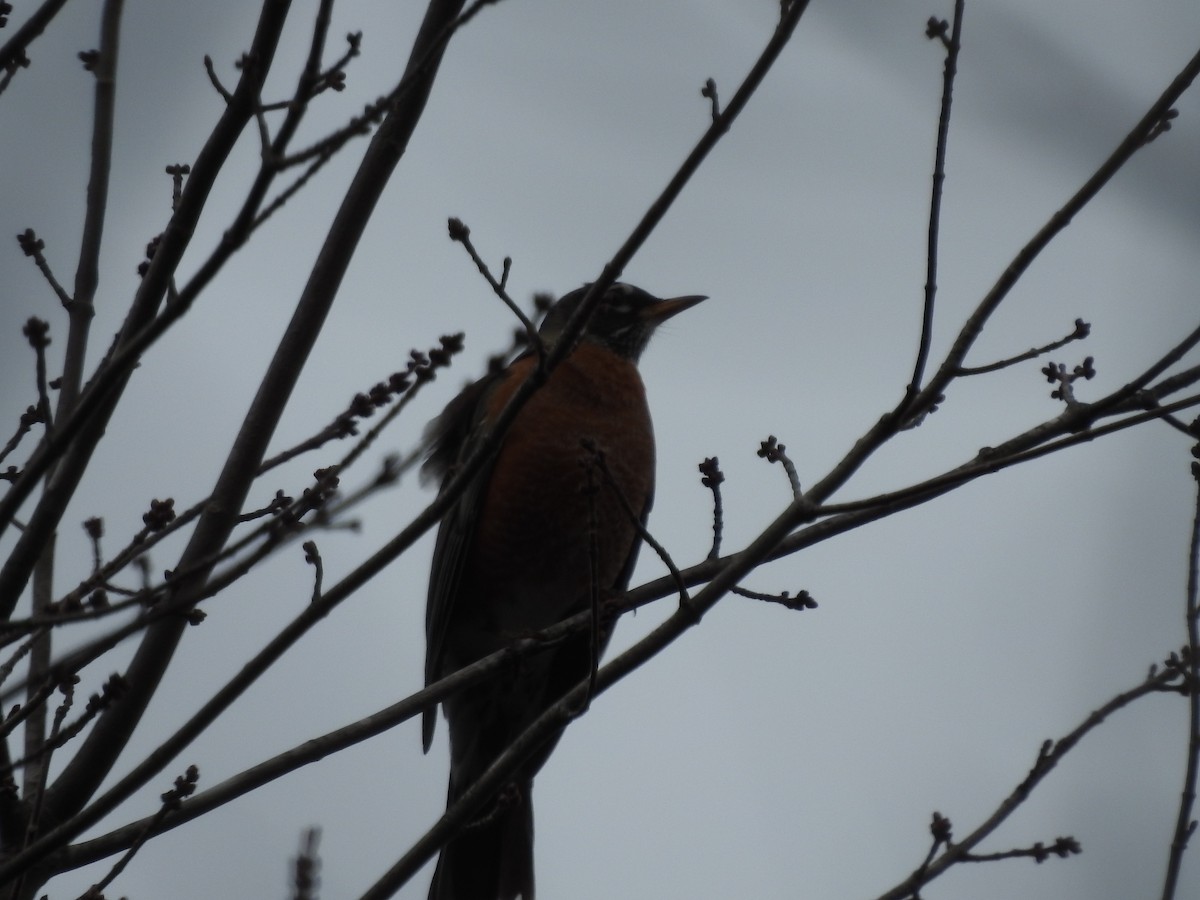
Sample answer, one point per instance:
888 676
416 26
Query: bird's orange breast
531 562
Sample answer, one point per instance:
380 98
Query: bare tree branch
113 729
87 273
78 437
100 749
1050 755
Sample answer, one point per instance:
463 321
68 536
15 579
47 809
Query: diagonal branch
13 50
318 748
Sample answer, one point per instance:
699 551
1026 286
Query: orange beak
665 309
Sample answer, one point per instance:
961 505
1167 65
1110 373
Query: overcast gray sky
768 754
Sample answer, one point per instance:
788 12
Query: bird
524 547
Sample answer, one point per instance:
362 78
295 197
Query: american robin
523 548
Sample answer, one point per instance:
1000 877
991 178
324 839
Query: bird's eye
619 299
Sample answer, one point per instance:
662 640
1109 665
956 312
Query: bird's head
623 322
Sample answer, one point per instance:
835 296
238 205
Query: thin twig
419 371
953 44
636 518
37 332
307 866
29 418
422 370
321 150
712 477
799 601
81 308
1185 825
312 556
709 91
774 452
334 78
1082 330
461 234
17 716
280 199
36 777
264 132
1062 847
940 829
34 247
7 668
216 82
172 800
36 740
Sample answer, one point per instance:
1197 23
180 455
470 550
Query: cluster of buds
421 367
30 243
1056 373
161 514
326 486
185 786
31 417
1194 428
710 473
151 249
37 332
71 604
288 512
771 450
112 690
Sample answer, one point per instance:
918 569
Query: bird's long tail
492 858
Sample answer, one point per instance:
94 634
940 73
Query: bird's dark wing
453 435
